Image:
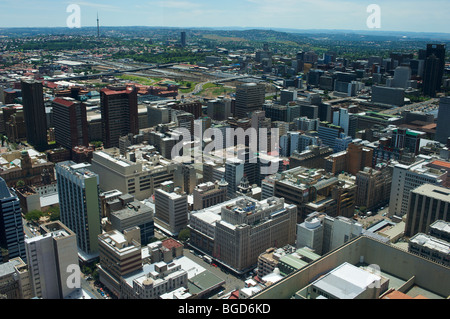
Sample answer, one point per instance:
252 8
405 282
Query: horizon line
234 27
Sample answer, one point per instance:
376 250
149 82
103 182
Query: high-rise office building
407 139
11 228
126 212
171 208
50 258
78 192
427 204
119 109
402 75
158 114
183 38
306 125
219 109
237 231
431 76
328 133
34 113
209 194
249 97
70 122
287 96
119 254
139 178
15 279
234 171
323 233
407 177
443 128
373 187
388 95
434 68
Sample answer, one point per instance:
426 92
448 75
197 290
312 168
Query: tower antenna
98 26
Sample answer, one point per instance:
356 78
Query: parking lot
375 216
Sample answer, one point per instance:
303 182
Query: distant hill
252 34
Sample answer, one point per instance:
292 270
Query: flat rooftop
346 281
434 191
431 243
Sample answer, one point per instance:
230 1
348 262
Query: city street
232 283
375 217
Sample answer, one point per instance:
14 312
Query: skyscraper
234 171
183 38
439 51
249 97
70 121
402 76
11 227
434 68
119 113
79 204
34 113
431 82
443 129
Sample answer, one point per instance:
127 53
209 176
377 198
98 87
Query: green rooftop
203 282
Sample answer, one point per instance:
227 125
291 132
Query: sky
395 15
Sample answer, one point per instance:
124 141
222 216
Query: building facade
171 208
78 192
407 177
443 129
70 121
249 97
12 236
119 108
52 258
34 112
427 204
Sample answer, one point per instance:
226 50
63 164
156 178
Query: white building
137 173
347 282
171 209
407 177
323 233
153 281
52 260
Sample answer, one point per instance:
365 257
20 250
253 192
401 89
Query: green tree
184 234
97 144
20 183
54 213
34 215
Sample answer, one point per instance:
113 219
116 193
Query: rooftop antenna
98 26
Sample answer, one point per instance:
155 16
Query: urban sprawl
96 204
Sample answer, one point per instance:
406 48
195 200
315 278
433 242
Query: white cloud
174 4
106 7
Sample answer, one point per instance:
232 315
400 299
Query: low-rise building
427 246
